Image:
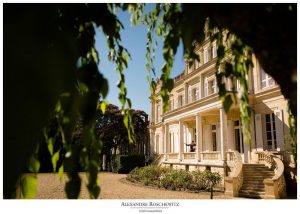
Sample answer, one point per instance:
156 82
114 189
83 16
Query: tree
111 130
50 62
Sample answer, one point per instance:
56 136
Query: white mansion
196 133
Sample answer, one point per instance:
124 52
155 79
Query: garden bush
174 179
126 163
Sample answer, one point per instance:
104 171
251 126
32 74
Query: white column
199 145
166 133
223 132
180 140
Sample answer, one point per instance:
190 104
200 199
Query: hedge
126 163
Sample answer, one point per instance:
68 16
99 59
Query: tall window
271 131
171 107
214 50
205 55
158 118
214 137
266 80
180 100
195 94
210 86
238 135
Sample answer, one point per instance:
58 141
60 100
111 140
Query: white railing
274 187
210 156
189 155
172 156
234 182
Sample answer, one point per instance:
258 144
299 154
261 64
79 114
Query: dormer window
266 80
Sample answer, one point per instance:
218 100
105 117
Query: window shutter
279 129
258 132
190 96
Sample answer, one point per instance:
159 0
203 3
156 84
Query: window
271 131
238 135
171 107
197 63
266 80
205 55
180 100
158 118
210 86
214 50
214 137
195 94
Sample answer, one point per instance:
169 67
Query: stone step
251 194
257 177
253 182
253 187
254 166
255 174
257 170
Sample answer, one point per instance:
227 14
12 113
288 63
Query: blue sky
134 39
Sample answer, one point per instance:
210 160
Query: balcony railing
210 155
172 156
189 155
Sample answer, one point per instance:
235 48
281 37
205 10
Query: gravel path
113 186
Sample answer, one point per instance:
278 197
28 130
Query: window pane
236 123
267 118
263 74
274 126
274 135
213 127
271 81
270 145
268 126
269 136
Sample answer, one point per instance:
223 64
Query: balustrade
189 155
274 187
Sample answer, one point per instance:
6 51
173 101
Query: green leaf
103 106
54 160
34 164
50 145
29 186
61 171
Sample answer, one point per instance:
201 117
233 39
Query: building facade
196 133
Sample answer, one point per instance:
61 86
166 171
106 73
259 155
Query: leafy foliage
126 163
174 179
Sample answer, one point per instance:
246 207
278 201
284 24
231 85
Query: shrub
126 163
174 179
198 182
149 175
